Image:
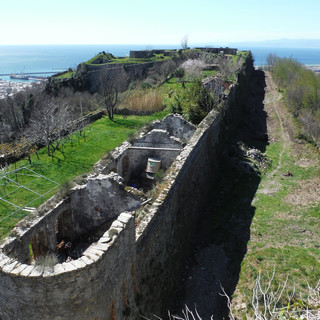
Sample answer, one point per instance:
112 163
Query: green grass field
77 157
285 228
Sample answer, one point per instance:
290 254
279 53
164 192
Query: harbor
33 76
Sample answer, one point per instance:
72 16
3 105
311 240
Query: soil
222 240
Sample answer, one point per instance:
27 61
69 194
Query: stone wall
99 285
226 50
134 267
165 234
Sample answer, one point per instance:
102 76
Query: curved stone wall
87 288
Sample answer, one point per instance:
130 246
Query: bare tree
271 60
184 42
228 67
111 84
50 123
166 68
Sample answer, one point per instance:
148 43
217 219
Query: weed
113 232
47 261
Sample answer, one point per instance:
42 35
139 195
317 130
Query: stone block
100 247
79 263
86 260
92 256
18 269
9 267
105 238
36 272
68 266
26 271
124 217
58 268
116 225
4 260
48 272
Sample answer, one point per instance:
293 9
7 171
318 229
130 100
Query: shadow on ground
221 243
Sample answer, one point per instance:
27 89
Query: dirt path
275 110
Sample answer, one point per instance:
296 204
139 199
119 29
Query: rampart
226 50
87 75
131 267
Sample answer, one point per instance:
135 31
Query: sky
156 22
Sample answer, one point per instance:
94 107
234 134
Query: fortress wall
165 234
138 71
99 285
43 226
134 268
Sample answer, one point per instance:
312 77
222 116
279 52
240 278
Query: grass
150 100
67 75
284 234
77 157
128 60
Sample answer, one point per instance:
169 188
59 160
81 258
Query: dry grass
143 101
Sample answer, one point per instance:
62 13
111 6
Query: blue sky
156 22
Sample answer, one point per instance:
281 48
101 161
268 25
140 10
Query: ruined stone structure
226 50
127 255
144 54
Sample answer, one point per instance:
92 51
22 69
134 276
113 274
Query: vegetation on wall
193 102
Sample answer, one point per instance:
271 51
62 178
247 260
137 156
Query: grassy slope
285 228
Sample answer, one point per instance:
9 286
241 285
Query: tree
228 67
193 67
111 84
166 68
271 60
184 42
50 123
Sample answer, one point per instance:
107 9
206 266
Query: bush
146 85
194 102
301 87
179 73
48 261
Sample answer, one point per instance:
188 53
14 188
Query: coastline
313 67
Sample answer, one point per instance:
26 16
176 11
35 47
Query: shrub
48 261
179 73
194 102
146 85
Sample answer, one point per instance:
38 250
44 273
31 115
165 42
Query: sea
50 59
